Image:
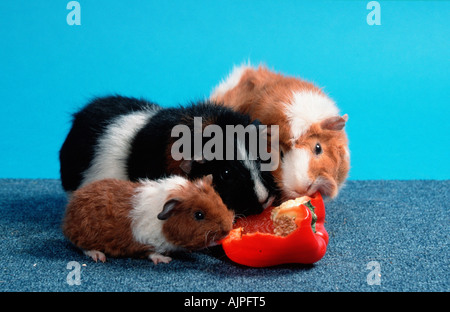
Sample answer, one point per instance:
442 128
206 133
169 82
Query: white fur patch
230 82
347 153
260 190
147 204
295 176
306 108
113 147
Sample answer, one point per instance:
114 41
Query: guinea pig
147 218
129 139
313 144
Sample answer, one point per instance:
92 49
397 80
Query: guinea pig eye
282 150
225 174
198 215
318 149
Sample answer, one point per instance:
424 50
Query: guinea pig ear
334 123
208 179
186 165
168 209
249 80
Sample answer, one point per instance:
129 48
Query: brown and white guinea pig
313 144
146 218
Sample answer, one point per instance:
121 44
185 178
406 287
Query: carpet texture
384 236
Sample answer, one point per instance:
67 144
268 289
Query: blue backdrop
392 79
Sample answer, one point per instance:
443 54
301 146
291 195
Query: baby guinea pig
146 218
314 150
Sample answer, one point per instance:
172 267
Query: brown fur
97 218
263 94
182 229
260 93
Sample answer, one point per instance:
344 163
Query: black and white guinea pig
129 139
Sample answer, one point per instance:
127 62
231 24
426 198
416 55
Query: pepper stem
314 216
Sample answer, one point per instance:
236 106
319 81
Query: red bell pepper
253 243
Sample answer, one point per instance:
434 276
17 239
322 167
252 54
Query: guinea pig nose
268 202
224 234
303 190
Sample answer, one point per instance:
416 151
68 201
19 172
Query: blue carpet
402 225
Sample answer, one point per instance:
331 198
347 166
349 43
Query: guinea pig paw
95 255
159 258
